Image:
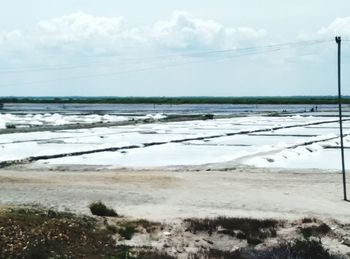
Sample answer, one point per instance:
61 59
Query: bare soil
159 206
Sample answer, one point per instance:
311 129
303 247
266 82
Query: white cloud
339 27
10 37
81 31
321 53
81 26
184 31
84 32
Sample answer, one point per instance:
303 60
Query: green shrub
305 248
216 253
100 209
316 231
310 248
309 220
254 230
127 232
111 228
10 126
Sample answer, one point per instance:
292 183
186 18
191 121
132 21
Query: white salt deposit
256 140
56 119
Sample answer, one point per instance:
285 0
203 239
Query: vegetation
315 230
253 230
100 209
310 248
215 253
306 248
127 232
125 253
128 228
10 126
42 234
34 233
180 100
308 220
297 249
30 233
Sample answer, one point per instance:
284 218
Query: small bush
310 248
215 253
316 231
39 252
253 240
127 232
100 209
154 255
111 228
208 116
149 226
253 230
10 126
299 249
308 220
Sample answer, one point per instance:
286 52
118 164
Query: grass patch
32 233
315 230
154 255
127 252
254 230
111 228
305 248
310 248
308 220
215 253
149 226
127 232
40 234
100 209
10 126
127 229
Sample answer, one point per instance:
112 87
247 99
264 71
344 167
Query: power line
137 60
136 70
249 51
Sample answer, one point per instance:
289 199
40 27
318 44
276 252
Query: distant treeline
180 100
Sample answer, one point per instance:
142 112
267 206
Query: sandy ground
166 194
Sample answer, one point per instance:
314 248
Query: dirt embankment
40 233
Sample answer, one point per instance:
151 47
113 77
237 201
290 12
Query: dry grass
304 248
29 233
253 230
315 230
34 233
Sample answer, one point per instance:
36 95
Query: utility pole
338 41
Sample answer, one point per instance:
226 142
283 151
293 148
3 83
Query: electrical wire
162 66
245 52
137 60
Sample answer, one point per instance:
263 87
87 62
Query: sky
173 48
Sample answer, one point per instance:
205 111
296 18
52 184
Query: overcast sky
172 48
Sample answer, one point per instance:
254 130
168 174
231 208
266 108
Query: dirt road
168 194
